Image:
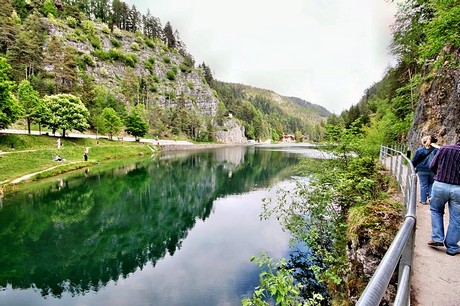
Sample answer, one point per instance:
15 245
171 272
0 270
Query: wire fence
400 253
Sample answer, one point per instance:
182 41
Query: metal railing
401 251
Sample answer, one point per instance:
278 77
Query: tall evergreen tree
134 20
62 61
8 26
169 37
25 56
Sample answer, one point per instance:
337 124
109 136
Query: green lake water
178 229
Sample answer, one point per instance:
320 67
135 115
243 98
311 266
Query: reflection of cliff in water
81 233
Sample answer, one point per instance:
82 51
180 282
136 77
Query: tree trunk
28 125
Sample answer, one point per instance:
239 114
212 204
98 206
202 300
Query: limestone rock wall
188 86
231 132
438 109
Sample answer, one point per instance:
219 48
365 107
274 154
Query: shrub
95 42
135 46
88 26
166 60
105 29
72 22
130 60
149 43
149 63
88 60
171 75
191 85
101 54
184 68
85 60
115 54
115 42
153 88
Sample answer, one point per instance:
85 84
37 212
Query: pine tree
169 38
8 26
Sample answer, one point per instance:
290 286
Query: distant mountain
266 114
322 111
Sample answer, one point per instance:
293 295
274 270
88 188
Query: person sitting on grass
57 158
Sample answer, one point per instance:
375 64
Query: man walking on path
446 188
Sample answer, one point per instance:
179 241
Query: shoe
435 243
423 203
453 253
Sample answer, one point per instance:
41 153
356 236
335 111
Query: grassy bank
26 154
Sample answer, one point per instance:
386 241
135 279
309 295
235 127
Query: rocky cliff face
438 109
231 132
188 86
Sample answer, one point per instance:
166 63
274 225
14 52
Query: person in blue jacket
421 162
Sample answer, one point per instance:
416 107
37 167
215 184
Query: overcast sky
323 51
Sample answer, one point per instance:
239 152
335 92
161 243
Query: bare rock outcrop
438 109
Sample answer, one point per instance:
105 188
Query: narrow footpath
435 275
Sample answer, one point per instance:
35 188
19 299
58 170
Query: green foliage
115 42
43 147
95 41
277 283
67 112
171 75
135 125
49 8
10 110
442 29
29 99
72 22
88 60
116 55
166 60
135 46
149 64
111 122
266 116
149 43
89 27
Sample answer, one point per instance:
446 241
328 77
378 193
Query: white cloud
326 51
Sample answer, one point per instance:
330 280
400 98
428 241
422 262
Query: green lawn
29 154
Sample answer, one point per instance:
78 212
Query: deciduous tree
135 125
67 112
10 110
111 121
29 99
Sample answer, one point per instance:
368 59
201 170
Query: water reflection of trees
80 234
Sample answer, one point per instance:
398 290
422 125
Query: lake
178 229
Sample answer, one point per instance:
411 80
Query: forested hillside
102 65
420 95
267 115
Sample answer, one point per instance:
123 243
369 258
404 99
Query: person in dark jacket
421 162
